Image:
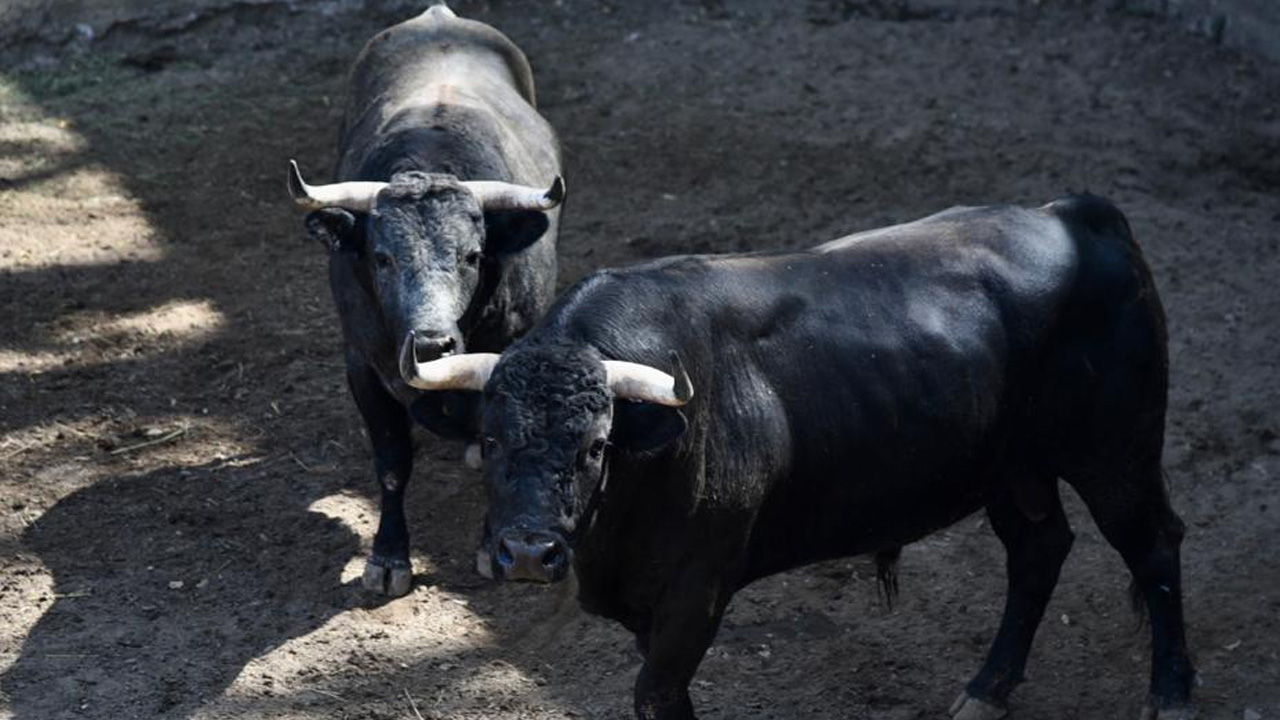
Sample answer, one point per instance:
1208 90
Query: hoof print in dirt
967 707
387 577
1186 712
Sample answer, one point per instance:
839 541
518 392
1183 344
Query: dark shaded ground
156 288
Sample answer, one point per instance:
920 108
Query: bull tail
1094 216
887 575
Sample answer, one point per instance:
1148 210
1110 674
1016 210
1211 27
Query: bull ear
334 228
639 426
510 231
451 414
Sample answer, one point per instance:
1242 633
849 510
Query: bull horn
353 196
456 372
494 195
634 381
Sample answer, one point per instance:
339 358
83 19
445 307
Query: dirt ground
187 494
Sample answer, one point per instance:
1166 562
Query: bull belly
816 529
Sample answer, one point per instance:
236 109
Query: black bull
437 237
847 399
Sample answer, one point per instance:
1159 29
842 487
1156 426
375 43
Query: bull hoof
1185 712
967 707
386 576
472 458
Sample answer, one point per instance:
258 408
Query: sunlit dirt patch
55 208
33 147
431 634
96 337
360 515
115 436
26 592
178 318
82 218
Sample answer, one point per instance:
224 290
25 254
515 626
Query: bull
440 228
676 430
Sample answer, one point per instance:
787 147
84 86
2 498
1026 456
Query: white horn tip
297 187
408 361
683 388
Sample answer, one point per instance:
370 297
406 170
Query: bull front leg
388 570
681 628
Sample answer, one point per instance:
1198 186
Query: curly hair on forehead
552 392
559 372
412 184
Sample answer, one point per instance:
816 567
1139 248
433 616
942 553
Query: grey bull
440 226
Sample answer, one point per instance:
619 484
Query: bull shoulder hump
439 11
440 29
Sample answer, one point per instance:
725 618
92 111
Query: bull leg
1134 515
388 571
680 630
1037 538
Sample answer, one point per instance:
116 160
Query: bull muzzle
527 556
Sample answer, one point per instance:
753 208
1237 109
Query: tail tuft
1138 604
887 574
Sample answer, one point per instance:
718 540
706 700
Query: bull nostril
431 347
553 558
531 556
505 557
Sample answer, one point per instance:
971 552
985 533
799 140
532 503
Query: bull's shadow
185 576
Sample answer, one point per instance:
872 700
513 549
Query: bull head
419 244
549 418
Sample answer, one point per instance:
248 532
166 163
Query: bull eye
597 449
382 260
472 258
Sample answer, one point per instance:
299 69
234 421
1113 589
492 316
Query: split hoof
472 457
386 576
967 707
1185 712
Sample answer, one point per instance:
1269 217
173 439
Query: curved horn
353 196
494 195
634 381
456 372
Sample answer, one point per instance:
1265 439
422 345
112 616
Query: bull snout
429 346
532 556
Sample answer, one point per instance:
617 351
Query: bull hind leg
1028 519
1133 512
388 570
